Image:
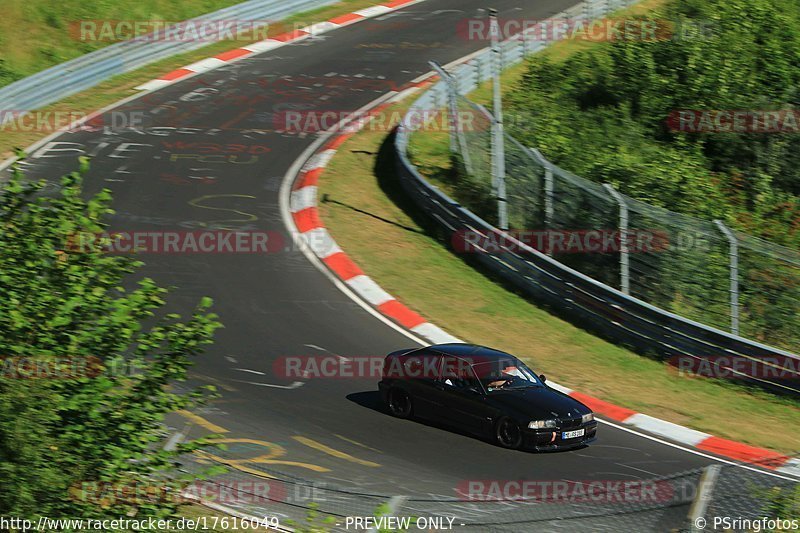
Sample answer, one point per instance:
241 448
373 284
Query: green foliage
782 502
603 114
314 521
59 306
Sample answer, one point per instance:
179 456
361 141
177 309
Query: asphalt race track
278 304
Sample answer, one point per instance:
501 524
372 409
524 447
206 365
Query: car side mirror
543 378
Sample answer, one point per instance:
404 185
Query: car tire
508 434
399 403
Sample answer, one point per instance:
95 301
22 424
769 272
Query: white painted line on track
696 452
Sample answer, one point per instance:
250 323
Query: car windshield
505 374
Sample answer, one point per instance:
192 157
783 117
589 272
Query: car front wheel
400 403
508 434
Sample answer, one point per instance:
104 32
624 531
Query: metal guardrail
587 302
86 71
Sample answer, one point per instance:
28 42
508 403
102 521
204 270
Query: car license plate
572 434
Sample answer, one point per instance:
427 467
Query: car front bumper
550 440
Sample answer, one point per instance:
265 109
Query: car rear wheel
508 434
399 403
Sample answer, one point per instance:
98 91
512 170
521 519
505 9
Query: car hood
538 403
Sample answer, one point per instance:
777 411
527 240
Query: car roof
468 350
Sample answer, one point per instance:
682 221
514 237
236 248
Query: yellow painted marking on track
307 466
208 458
249 217
271 458
213 381
351 441
200 421
330 451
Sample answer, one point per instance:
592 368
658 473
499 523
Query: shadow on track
372 400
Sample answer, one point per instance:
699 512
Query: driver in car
507 377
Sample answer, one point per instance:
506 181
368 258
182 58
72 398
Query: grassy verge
122 86
373 220
37 34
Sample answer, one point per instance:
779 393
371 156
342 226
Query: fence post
524 36
624 259
498 140
548 200
392 508
549 193
733 252
458 144
705 489
451 100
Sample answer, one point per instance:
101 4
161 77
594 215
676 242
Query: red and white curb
303 206
305 215
275 42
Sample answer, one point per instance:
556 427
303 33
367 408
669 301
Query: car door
462 399
420 375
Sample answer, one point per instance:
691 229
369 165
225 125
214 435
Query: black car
486 392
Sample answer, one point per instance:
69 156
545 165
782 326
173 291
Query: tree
84 383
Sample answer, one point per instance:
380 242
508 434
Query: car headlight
541 424
587 418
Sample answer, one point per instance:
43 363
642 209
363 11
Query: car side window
458 374
422 365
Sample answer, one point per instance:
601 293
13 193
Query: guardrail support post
624 259
733 253
498 135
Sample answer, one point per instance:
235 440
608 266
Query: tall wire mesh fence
666 503
674 261
697 269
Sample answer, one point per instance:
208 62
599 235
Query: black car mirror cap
543 378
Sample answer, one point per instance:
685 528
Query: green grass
122 86
36 34
374 222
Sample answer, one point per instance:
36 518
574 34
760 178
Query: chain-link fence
668 503
688 288
696 268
